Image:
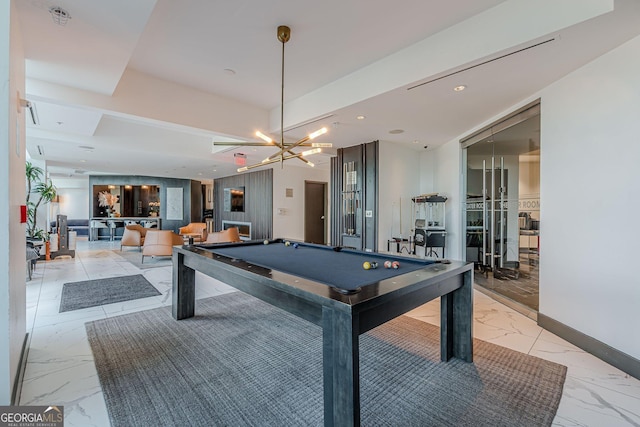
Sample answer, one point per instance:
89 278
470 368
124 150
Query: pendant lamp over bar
285 151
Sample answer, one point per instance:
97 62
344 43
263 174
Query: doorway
502 207
315 212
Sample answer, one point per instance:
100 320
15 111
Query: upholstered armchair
230 235
133 236
197 230
160 243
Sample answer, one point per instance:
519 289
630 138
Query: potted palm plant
40 191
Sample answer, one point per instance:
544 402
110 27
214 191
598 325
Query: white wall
446 181
12 232
590 199
74 203
290 224
398 180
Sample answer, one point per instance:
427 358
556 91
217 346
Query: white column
12 170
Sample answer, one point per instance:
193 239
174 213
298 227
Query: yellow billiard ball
366 265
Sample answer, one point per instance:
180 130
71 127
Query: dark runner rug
91 293
242 362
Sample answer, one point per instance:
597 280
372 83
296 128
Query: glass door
502 182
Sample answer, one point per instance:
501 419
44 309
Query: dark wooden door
315 211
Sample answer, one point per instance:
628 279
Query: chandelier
285 151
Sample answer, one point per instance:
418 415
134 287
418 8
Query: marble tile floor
60 367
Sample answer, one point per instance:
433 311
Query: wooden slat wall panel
196 201
260 207
336 201
370 202
258 202
366 158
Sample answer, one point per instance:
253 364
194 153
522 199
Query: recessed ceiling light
361 117
459 88
396 131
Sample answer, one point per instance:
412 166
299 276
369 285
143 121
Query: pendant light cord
282 108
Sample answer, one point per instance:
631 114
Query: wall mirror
234 199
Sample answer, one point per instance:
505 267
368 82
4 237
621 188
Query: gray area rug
91 293
241 362
135 257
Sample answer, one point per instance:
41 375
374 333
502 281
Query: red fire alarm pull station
23 214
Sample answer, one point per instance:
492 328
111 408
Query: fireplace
243 227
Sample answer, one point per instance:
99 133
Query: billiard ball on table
395 264
387 264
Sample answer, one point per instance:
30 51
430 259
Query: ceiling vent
33 113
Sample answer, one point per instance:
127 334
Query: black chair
430 240
33 254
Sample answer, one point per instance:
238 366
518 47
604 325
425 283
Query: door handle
322 217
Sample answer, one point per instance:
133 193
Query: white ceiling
142 87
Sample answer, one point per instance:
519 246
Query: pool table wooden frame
342 317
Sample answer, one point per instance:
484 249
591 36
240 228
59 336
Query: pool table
329 287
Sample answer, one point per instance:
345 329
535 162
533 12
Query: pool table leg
183 296
341 370
456 321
